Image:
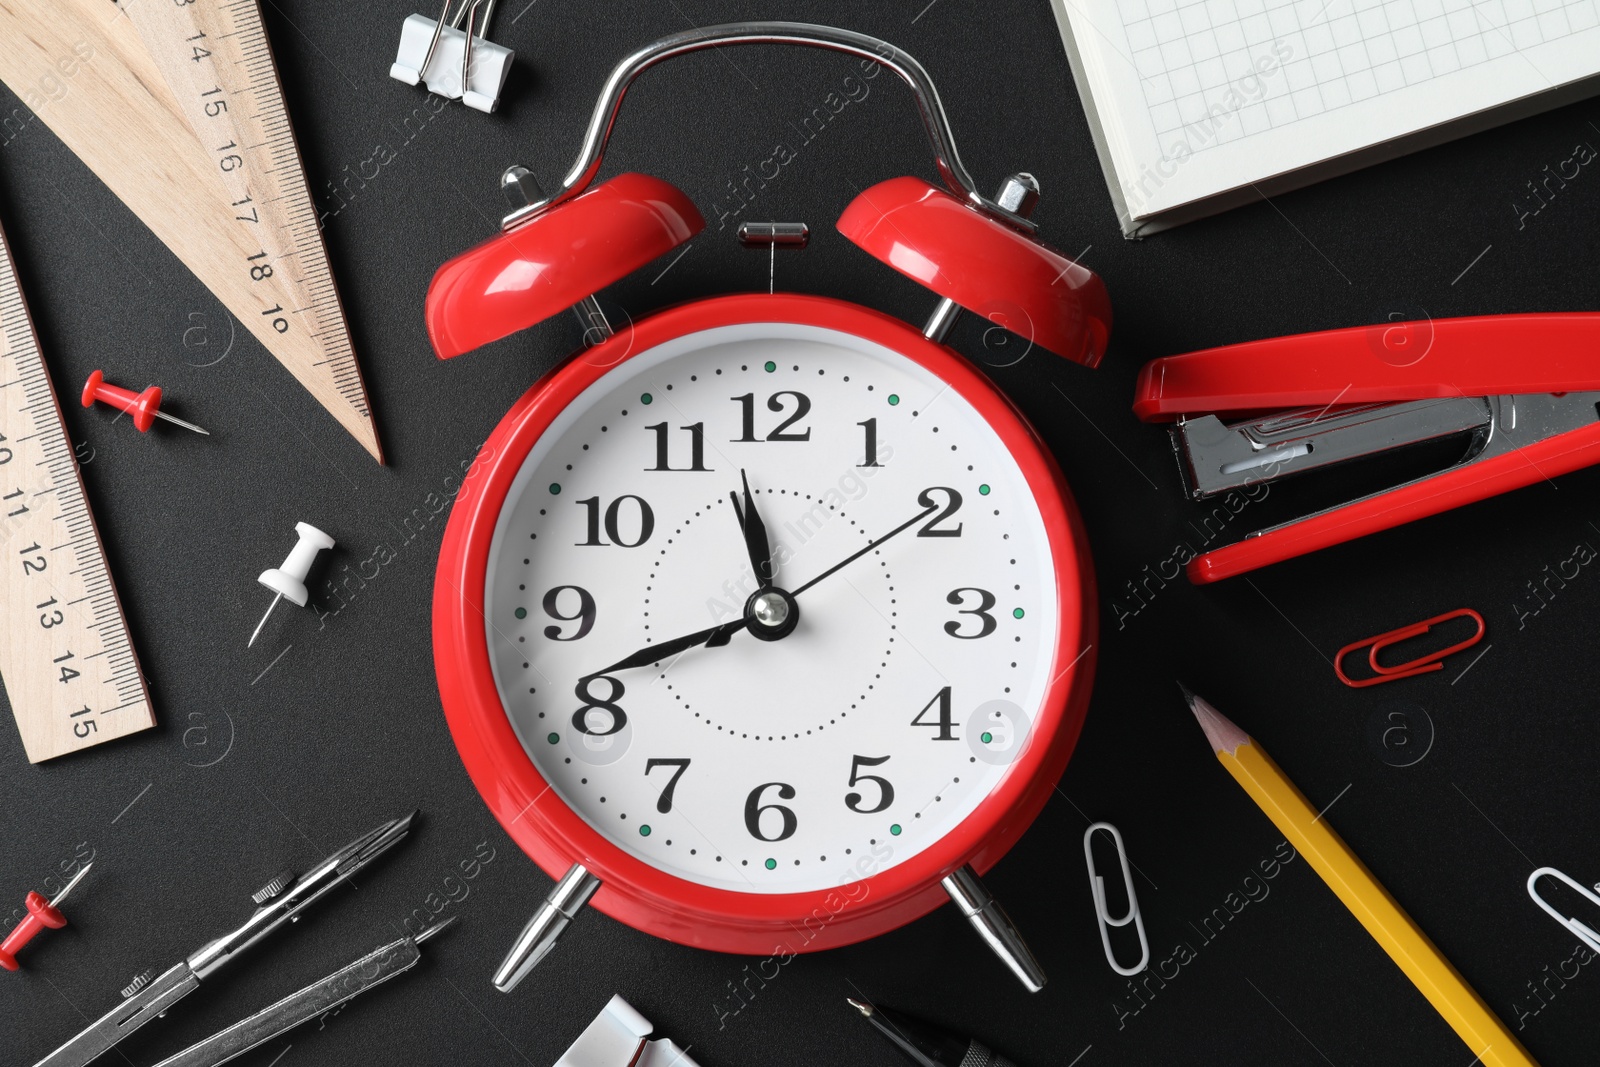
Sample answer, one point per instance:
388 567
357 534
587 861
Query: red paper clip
1420 665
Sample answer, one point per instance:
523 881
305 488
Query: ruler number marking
37 565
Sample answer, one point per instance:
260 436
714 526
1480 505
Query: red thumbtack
145 407
41 913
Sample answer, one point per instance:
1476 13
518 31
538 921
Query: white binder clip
619 1037
1577 927
1097 889
455 63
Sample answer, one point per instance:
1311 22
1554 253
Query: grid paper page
1189 53
1199 97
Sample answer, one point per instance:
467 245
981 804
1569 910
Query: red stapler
1521 389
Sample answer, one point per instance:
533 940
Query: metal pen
925 1045
303 1005
281 900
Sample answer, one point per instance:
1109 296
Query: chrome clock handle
902 63
994 926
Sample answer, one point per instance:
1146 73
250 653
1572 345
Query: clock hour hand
715 636
755 535
711 638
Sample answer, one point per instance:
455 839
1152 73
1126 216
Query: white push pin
456 64
289 580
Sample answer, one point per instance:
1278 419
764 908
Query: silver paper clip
1097 889
455 63
1581 930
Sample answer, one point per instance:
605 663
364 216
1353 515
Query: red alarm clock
765 624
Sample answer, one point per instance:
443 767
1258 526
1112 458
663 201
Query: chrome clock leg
546 926
994 926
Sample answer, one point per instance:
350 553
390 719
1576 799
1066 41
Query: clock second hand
715 636
918 517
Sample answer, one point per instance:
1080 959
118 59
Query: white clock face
906 687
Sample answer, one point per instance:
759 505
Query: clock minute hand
712 636
715 636
869 547
755 534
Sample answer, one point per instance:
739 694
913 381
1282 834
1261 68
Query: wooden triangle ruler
178 109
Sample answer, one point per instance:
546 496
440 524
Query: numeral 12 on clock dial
766 622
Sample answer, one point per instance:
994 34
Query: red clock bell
765 624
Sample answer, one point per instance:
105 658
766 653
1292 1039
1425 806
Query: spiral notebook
1201 105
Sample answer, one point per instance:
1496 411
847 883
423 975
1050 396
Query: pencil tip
1188 695
1219 730
864 1009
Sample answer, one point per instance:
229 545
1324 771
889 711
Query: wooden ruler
178 109
68 665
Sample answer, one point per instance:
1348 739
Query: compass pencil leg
994 926
546 926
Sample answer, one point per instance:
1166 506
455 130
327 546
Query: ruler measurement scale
65 656
215 56
127 117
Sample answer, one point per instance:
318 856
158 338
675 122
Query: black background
328 726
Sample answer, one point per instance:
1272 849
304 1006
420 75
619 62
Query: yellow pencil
1355 886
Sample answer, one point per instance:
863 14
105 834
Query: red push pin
145 407
41 913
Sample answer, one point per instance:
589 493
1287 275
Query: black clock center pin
716 636
770 613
